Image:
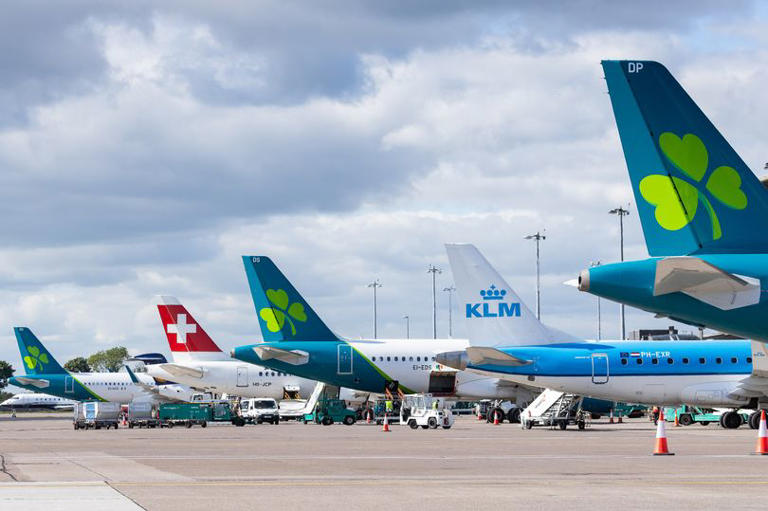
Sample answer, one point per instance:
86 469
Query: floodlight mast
538 237
375 285
434 271
621 212
450 290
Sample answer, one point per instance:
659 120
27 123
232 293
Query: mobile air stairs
554 409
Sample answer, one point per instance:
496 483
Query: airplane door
344 359
242 376
69 385
599 368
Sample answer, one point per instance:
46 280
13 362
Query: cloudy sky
144 148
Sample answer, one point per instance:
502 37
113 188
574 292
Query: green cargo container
187 414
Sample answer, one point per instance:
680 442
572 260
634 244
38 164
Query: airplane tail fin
186 337
694 194
37 359
493 312
283 313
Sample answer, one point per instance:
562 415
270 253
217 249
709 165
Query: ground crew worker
434 405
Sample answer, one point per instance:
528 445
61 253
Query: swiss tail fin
493 312
186 338
693 192
283 313
37 359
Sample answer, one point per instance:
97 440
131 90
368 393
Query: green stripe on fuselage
384 375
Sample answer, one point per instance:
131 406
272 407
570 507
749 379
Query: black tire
432 423
170 424
276 422
754 420
304 420
563 424
259 421
76 426
446 427
188 424
349 420
327 421
130 425
412 424
514 416
581 424
528 424
685 419
731 420
704 423
204 424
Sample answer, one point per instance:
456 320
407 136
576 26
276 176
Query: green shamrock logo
35 358
283 311
676 199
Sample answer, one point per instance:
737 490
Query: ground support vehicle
555 409
259 410
96 415
142 415
728 419
425 411
184 414
328 411
380 409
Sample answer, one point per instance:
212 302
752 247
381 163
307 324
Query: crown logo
492 293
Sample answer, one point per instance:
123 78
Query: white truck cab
425 411
259 409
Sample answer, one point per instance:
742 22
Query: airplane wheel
731 420
514 416
754 420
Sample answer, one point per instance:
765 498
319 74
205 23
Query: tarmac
45 464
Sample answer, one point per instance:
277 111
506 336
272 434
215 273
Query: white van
259 409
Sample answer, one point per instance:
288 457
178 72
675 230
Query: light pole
538 237
407 319
375 284
621 212
599 319
434 271
450 290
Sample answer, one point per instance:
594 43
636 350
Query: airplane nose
584 280
454 359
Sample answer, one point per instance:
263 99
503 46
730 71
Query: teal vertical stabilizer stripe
36 359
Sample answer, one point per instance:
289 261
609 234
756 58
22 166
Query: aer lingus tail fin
283 313
37 359
694 194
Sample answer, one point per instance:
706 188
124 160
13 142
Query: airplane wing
294 357
35 382
480 355
181 370
705 282
756 384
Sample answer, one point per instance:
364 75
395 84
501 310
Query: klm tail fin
694 194
37 359
493 312
283 313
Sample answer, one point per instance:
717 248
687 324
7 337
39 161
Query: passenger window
670 361
623 361
261 373
702 360
733 360
395 359
389 359
718 360
685 360
433 358
639 361
654 361
418 359
410 359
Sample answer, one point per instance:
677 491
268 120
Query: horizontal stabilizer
295 357
705 282
35 382
491 356
182 370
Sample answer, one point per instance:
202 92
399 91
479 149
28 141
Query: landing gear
754 419
514 416
731 420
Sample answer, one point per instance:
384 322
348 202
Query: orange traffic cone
677 420
621 418
368 414
479 415
386 423
610 419
762 436
661 438
496 418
